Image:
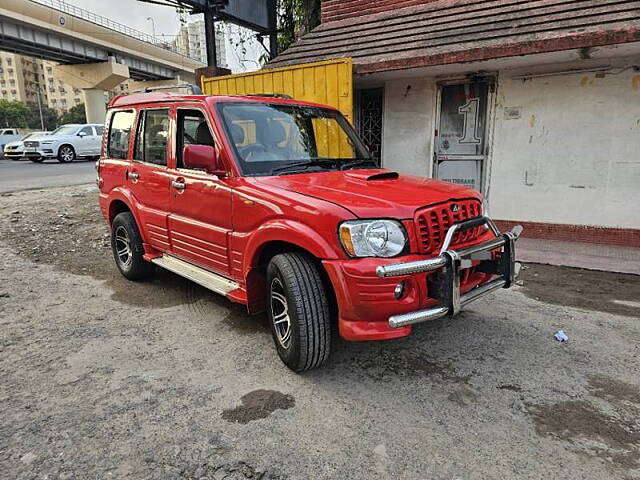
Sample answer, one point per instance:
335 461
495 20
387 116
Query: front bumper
500 264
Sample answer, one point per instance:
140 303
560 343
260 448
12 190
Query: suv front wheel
66 154
298 311
127 247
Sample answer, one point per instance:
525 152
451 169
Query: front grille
31 144
432 224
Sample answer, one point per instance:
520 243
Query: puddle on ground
612 435
258 404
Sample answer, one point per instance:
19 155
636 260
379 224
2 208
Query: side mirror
82 134
203 157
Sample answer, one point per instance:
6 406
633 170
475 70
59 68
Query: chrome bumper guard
447 282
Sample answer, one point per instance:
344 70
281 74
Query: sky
134 14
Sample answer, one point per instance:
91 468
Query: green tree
295 18
76 114
13 114
49 116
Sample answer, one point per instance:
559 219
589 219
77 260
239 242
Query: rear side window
99 130
152 136
119 134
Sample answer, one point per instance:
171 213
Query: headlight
373 238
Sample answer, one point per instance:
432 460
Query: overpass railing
89 16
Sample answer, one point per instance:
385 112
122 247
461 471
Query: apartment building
191 42
22 78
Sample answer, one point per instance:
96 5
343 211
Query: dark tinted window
119 134
151 139
99 130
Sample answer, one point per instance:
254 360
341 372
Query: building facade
191 42
536 104
23 78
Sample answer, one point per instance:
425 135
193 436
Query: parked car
8 135
277 205
66 143
15 150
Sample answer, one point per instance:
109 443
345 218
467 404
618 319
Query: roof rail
272 95
195 90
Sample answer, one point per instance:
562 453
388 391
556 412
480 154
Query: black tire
66 154
133 266
37 160
295 277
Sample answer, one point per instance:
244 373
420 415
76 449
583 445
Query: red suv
277 205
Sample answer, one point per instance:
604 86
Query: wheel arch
66 144
257 274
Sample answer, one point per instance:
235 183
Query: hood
372 193
17 143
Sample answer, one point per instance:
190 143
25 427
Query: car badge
455 207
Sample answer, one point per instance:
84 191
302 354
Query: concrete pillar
94 79
94 105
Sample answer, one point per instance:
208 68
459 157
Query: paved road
19 175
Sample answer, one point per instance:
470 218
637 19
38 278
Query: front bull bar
451 262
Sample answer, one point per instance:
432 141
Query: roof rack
195 90
271 95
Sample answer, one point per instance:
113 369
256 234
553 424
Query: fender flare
288 231
129 200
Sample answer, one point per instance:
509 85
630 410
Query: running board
207 279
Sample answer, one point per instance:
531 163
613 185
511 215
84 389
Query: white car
15 150
66 143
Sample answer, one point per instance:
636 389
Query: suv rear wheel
126 244
298 311
66 154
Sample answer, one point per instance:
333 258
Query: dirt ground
104 378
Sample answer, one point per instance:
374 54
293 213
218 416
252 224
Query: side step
207 279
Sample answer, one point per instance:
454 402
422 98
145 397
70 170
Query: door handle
133 175
178 185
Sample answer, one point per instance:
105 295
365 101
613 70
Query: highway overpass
78 39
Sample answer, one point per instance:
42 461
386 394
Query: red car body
229 223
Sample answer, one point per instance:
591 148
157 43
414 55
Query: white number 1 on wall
470 112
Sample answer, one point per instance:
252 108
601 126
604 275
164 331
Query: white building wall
409 106
574 155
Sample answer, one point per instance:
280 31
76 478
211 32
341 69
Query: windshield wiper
314 162
359 162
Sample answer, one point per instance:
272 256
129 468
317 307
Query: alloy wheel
123 247
66 154
280 313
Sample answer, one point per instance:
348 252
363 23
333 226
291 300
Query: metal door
460 147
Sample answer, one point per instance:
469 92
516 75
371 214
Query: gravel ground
104 378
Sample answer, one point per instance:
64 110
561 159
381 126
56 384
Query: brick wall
340 9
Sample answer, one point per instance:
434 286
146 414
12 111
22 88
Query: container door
461 133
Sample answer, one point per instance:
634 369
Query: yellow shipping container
329 83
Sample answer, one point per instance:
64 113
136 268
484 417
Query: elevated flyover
77 38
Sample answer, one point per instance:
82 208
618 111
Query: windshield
275 139
65 130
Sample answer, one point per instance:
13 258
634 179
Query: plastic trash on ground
561 336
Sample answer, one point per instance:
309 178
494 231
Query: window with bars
369 118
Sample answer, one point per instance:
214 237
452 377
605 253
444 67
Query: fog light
399 291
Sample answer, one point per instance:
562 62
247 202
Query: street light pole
153 27
40 107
